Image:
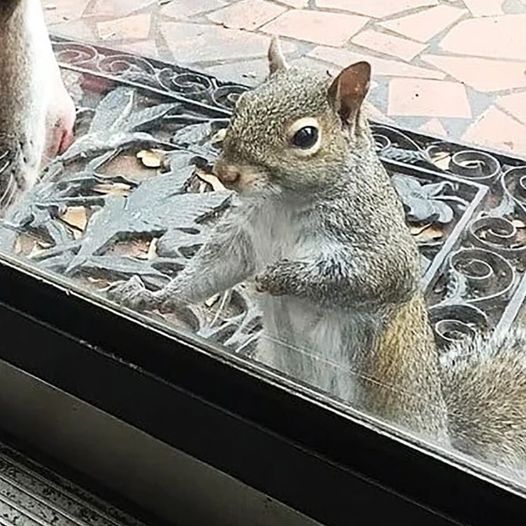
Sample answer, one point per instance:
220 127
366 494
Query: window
135 196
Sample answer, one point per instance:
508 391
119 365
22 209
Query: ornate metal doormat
134 195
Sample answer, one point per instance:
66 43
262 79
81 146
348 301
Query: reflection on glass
297 250
319 230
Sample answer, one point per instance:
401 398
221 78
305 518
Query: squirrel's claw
270 283
259 282
134 295
131 293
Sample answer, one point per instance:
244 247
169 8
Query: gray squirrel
322 233
36 112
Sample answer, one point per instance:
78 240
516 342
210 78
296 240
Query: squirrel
322 232
37 114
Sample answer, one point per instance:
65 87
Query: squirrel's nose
226 173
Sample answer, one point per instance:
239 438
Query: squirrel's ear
276 59
349 89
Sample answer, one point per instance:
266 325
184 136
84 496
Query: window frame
235 418
333 464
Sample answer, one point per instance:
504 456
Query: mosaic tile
426 24
331 29
183 9
205 43
130 27
119 8
64 10
480 73
484 7
434 128
388 44
375 8
247 14
381 67
502 37
428 98
515 104
495 129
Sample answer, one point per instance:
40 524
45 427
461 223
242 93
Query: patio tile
485 7
375 114
374 8
311 63
434 128
499 37
76 29
514 104
57 12
428 98
331 29
247 14
119 8
145 48
250 72
426 24
481 74
495 129
381 67
131 27
298 4
205 43
388 45
183 9
488 50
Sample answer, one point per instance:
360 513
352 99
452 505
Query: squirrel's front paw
132 294
273 279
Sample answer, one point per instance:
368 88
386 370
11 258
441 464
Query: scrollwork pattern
483 262
466 207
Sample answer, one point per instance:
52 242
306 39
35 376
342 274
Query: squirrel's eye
305 137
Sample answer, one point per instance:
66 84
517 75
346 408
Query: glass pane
293 250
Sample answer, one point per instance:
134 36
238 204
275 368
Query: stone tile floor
454 68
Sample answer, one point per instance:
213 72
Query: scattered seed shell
35 251
151 158
24 244
152 249
418 229
430 233
219 136
213 300
442 161
138 248
112 188
76 217
211 179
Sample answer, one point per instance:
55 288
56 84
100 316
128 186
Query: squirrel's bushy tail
484 387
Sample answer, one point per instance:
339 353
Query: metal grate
100 214
33 495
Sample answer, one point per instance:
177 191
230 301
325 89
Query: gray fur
324 238
485 391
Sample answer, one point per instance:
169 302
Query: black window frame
333 466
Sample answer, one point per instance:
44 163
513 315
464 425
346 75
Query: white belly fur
300 338
308 344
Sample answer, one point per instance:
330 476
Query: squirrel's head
295 130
